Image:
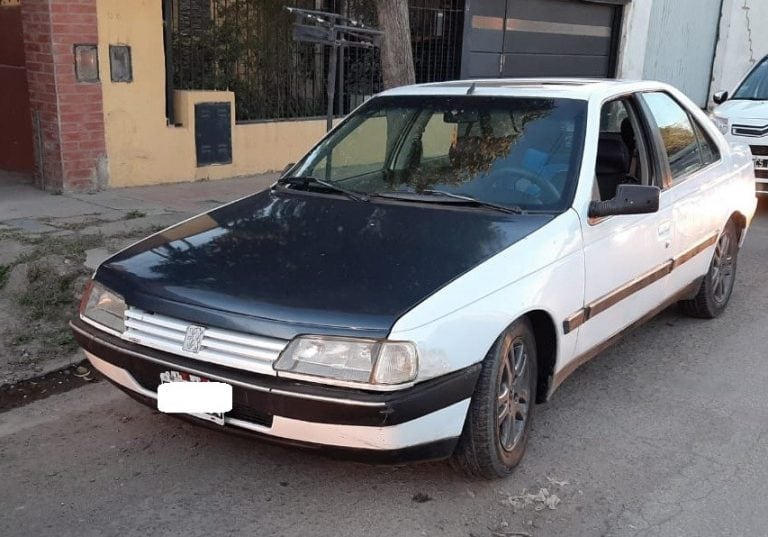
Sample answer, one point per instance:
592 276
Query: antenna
471 90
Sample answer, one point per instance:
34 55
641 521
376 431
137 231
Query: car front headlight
721 123
351 360
103 307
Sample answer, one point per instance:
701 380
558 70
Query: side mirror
629 199
720 97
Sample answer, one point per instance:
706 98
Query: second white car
742 116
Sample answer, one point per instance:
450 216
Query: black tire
717 286
491 446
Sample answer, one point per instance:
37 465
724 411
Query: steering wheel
549 194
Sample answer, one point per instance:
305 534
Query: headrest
612 157
627 132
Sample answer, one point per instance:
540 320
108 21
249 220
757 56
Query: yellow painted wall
357 149
438 137
141 148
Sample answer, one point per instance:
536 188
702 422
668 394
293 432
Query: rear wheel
499 419
717 286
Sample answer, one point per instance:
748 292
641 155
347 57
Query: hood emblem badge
193 339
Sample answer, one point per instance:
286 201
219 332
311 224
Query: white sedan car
743 118
440 262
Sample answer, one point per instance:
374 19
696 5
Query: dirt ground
39 291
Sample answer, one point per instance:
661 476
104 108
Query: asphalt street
665 434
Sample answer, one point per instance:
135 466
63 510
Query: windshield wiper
306 180
418 196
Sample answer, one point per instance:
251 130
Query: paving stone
17 281
10 250
136 225
30 225
95 257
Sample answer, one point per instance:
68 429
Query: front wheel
498 423
717 286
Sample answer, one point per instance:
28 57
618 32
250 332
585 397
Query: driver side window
621 156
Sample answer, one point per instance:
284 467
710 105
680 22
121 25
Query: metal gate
246 46
527 38
16 149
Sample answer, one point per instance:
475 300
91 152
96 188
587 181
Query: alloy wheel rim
722 272
513 396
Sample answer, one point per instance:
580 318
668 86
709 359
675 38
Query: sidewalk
50 244
22 205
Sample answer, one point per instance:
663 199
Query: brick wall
42 92
68 113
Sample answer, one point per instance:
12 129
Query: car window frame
644 148
658 173
669 181
704 138
577 159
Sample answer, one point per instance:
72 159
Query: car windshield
755 86
514 152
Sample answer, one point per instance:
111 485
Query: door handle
665 233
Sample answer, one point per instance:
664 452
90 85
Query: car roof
572 88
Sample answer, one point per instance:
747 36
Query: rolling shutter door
532 38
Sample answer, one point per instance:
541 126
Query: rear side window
677 135
709 150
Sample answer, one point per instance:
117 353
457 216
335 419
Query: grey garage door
525 38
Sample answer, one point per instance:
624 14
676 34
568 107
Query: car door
626 257
692 161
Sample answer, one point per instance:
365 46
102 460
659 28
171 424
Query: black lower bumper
258 398
432 451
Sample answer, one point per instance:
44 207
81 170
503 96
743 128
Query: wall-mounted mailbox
213 133
86 63
120 67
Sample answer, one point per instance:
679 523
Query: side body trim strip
605 302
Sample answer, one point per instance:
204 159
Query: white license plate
761 163
184 393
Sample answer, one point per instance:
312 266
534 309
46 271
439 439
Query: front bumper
418 423
759 149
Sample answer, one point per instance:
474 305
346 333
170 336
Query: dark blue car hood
282 263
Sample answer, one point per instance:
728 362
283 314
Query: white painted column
634 39
743 42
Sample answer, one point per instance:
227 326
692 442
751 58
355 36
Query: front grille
761 174
759 150
217 346
750 130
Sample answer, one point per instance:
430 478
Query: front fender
457 325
